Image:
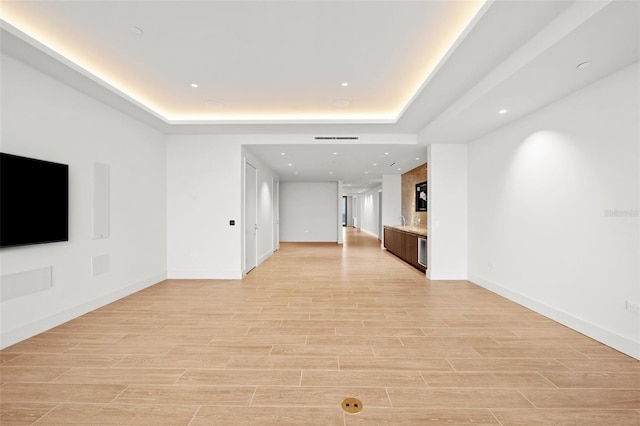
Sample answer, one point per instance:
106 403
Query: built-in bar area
408 243
407 239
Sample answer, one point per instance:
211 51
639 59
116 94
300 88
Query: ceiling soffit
252 62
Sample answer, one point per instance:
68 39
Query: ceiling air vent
336 138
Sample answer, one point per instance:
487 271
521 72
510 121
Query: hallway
314 324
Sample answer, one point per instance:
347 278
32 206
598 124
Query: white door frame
248 266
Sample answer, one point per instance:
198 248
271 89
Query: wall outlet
633 307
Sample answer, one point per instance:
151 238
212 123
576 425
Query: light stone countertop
418 230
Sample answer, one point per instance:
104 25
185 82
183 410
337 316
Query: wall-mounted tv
34 201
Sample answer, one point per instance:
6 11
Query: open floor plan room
271 212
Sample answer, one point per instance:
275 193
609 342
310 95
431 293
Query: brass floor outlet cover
352 405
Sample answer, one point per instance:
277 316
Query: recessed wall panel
101 200
100 264
27 282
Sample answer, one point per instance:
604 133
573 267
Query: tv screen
34 201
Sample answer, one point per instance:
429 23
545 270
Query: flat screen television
34 201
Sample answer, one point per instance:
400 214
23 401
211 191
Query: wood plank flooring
314 324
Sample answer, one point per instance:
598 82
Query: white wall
204 192
553 210
391 200
370 210
46 119
308 211
266 177
447 228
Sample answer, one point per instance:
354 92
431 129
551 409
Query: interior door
251 217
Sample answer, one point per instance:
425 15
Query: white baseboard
370 233
201 274
602 335
11 337
446 276
265 257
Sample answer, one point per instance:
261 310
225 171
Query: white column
447 207
391 201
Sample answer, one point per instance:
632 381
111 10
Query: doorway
250 217
276 215
344 210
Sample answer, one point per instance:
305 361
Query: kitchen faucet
403 220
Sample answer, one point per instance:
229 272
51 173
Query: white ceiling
360 167
254 61
276 67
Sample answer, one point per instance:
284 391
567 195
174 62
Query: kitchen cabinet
404 241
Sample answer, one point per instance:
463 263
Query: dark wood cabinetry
393 241
403 244
410 249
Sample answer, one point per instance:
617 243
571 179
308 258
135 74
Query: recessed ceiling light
399 168
194 85
583 65
289 164
386 153
417 158
282 153
335 153
366 173
375 164
136 30
341 103
502 111
344 84
330 173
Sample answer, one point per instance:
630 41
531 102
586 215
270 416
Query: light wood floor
314 324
